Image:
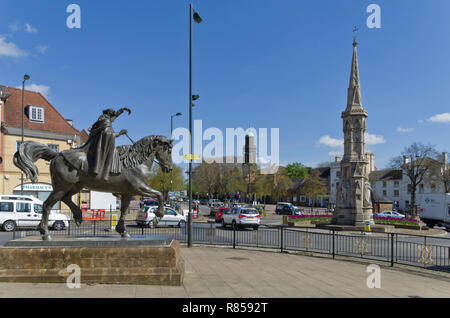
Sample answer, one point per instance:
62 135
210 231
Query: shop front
40 191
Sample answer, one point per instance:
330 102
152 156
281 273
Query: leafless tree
417 163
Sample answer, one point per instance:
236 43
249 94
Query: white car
242 217
22 211
146 217
391 214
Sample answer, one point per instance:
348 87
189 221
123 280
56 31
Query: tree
264 186
313 186
161 181
297 170
417 167
281 183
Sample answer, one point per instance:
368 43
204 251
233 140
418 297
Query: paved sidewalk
224 272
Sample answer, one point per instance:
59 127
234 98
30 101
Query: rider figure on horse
102 149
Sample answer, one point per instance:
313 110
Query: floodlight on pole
25 78
193 16
171 137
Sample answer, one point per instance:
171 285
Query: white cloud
336 153
10 49
43 89
372 139
440 118
330 142
404 130
29 28
420 121
42 49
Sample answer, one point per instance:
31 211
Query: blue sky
265 63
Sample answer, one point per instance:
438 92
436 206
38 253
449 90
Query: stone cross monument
353 202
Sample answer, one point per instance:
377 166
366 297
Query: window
338 174
384 192
396 184
23 207
384 184
409 188
170 212
54 147
433 187
6 207
396 193
36 113
38 208
421 188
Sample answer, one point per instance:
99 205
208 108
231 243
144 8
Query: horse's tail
29 152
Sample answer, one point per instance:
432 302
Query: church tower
353 202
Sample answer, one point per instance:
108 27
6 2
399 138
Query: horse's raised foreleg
120 227
147 191
54 197
76 211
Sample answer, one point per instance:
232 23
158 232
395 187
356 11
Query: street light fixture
25 78
171 138
196 17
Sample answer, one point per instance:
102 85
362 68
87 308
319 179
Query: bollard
367 225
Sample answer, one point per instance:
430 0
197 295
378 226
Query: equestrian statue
100 166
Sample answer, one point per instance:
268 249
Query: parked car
203 202
242 218
211 201
146 217
22 211
390 214
149 202
284 208
215 208
220 212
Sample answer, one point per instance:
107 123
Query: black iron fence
423 251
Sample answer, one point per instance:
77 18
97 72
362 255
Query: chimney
337 159
445 159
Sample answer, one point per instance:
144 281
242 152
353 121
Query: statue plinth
140 260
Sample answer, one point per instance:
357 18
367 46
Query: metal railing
415 250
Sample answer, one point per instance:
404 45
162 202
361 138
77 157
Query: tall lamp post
25 78
192 16
171 132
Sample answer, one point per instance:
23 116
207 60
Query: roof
377 198
385 175
54 121
324 172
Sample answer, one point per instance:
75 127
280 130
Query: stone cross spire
354 90
353 202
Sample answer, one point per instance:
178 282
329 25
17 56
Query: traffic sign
188 156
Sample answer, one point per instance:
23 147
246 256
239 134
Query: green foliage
161 181
314 186
297 170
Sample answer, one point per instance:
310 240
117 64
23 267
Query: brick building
42 123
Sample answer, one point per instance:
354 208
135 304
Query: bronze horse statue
68 179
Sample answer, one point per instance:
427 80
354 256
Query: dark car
284 208
203 202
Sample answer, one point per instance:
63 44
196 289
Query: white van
21 211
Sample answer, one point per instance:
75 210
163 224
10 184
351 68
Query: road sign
188 156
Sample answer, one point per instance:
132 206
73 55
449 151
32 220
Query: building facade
41 123
395 185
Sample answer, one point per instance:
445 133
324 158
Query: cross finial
355 29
